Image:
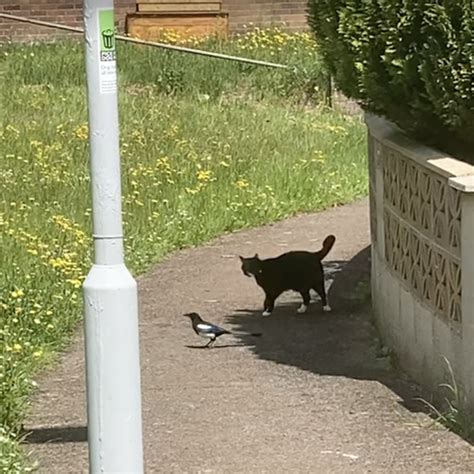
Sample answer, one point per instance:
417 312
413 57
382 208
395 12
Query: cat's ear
241 258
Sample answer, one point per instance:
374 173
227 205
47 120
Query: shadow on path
57 435
343 342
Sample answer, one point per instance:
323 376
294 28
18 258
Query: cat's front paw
327 308
302 309
266 313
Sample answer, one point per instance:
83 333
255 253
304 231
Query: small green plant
12 457
452 415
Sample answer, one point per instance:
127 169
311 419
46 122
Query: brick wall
290 13
264 13
68 12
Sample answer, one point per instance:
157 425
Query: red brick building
291 14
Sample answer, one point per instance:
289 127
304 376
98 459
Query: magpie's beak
187 315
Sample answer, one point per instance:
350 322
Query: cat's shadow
340 343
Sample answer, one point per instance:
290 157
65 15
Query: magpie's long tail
253 334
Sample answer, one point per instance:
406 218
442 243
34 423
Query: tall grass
62 64
208 148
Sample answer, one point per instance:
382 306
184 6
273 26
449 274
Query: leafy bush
411 61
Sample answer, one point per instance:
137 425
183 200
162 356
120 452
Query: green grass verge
62 64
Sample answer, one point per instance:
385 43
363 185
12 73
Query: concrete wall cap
435 160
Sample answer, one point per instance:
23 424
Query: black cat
298 271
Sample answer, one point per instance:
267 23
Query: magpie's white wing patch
205 327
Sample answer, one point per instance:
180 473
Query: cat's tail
327 246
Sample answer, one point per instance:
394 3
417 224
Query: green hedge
409 60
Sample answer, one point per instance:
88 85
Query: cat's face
251 266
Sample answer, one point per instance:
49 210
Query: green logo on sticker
107 37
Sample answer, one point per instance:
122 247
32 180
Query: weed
453 416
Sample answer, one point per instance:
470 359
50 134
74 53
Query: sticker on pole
107 64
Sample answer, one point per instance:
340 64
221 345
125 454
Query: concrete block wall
422 226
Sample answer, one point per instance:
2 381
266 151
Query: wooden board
180 7
148 26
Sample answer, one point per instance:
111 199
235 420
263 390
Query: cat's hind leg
306 300
320 290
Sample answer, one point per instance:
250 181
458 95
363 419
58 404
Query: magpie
211 331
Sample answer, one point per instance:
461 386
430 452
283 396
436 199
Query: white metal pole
110 292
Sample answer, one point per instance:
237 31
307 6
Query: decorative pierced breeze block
422 230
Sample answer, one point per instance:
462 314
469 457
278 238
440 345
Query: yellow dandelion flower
82 132
17 293
204 175
75 283
241 184
17 347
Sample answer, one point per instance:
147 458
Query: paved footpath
310 396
